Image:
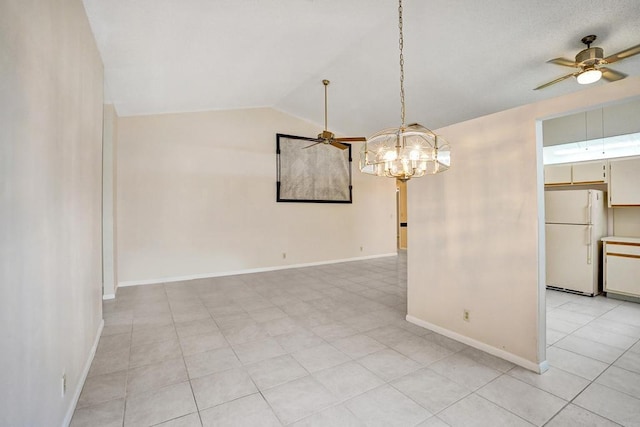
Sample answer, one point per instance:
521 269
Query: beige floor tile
388 364
433 422
622 380
421 350
389 335
334 331
611 404
347 380
153 334
356 346
193 344
272 372
574 363
155 352
248 411
320 357
102 388
109 362
431 390
602 352
487 359
298 340
209 362
106 414
298 399
156 406
222 387
191 420
629 361
530 403
555 381
331 417
386 406
195 327
475 411
465 371
574 416
156 375
256 351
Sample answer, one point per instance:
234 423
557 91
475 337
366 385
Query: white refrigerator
575 220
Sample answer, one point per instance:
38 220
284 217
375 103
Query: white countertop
621 239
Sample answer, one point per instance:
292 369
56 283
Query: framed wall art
309 171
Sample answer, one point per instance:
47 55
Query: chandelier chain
401 45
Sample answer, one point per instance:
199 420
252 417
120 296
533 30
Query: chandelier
410 151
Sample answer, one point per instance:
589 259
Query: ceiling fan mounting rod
325 82
589 39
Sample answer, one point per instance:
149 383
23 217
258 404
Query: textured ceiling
463 58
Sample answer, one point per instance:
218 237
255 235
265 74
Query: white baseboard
246 271
527 364
108 296
83 377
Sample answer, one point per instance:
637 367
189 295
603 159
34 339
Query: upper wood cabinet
573 128
576 173
613 120
587 172
558 174
624 182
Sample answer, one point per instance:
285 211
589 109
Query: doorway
401 213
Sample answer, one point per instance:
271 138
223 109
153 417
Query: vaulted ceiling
463 58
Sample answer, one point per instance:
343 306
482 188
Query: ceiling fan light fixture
404 152
588 76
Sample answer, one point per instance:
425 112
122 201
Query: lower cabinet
622 266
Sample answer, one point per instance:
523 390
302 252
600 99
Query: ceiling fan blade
338 145
562 61
556 81
309 146
351 139
622 54
612 75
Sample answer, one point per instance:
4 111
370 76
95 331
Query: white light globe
589 76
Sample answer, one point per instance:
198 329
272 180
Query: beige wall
50 192
197 197
626 221
109 155
476 231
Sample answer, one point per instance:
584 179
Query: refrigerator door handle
589 209
589 245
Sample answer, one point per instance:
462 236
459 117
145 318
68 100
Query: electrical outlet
64 384
465 315
284 255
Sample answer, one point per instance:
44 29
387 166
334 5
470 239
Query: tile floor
329 346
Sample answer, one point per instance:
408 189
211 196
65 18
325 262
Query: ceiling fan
590 64
329 138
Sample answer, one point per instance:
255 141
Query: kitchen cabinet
612 120
621 275
576 173
588 172
558 174
624 182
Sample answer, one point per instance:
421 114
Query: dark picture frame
319 174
